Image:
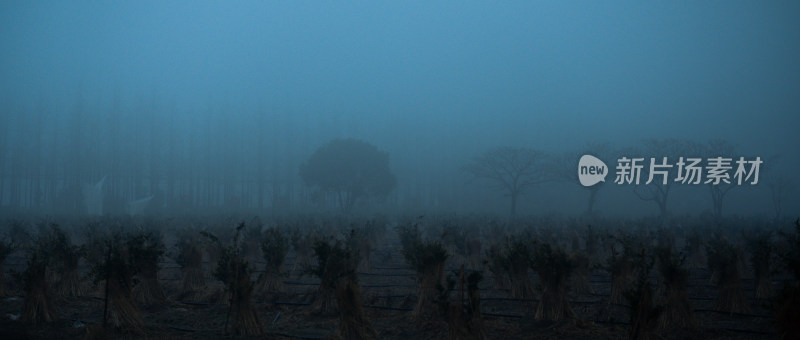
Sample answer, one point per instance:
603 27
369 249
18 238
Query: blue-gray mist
170 99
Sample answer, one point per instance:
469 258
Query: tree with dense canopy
351 169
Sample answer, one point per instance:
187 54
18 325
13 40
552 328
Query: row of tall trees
204 158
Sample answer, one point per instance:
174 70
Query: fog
209 106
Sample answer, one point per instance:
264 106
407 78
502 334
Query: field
351 278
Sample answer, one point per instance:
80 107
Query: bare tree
719 148
780 187
663 155
723 148
564 167
513 170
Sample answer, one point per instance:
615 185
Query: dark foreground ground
389 294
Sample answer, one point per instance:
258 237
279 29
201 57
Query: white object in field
137 207
93 196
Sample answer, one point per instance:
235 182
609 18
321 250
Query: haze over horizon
431 83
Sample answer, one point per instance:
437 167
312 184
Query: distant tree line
149 159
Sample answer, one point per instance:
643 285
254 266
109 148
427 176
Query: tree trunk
514 195
662 207
592 200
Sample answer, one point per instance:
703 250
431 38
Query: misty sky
450 78
556 66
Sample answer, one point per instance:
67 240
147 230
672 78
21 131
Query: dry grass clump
554 267
38 305
232 269
146 251
495 263
579 280
189 256
337 263
723 259
463 316
427 258
111 262
761 251
274 247
677 313
511 263
621 267
644 312
63 268
6 248
787 302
